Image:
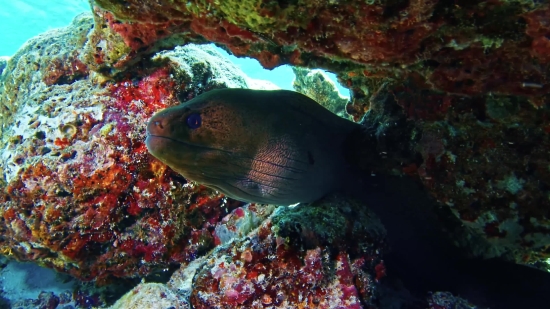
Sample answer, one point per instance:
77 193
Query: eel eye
194 120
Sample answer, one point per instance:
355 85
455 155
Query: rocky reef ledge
470 81
454 94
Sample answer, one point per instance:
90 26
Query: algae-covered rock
469 84
324 255
206 68
3 63
79 191
52 58
472 85
328 222
318 86
301 257
150 295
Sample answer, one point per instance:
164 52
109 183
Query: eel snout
158 132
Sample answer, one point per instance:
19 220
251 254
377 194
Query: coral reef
151 295
452 94
287 262
472 79
45 300
3 63
80 192
317 85
42 58
457 48
300 264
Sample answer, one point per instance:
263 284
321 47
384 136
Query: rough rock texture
292 261
79 192
151 295
317 85
463 47
288 262
48 59
3 63
453 94
471 80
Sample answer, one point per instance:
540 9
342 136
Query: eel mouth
157 142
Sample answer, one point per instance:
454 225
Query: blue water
23 19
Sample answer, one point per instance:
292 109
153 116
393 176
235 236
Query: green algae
104 45
501 108
257 15
125 10
245 12
511 184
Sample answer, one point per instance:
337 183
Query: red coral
65 70
155 91
141 35
237 40
263 270
268 59
538 27
111 209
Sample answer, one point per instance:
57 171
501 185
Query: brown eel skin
281 147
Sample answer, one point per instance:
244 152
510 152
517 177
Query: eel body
277 147
280 147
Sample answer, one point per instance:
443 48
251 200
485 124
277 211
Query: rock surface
3 63
151 295
472 80
80 192
453 95
317 85
287 262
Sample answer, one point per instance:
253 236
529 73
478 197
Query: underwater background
453 102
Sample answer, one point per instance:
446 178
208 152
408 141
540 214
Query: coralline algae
81 194
471 80
277 266
454 94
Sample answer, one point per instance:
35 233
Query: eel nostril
159 124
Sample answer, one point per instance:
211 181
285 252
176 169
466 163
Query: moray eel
276 147
280 147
